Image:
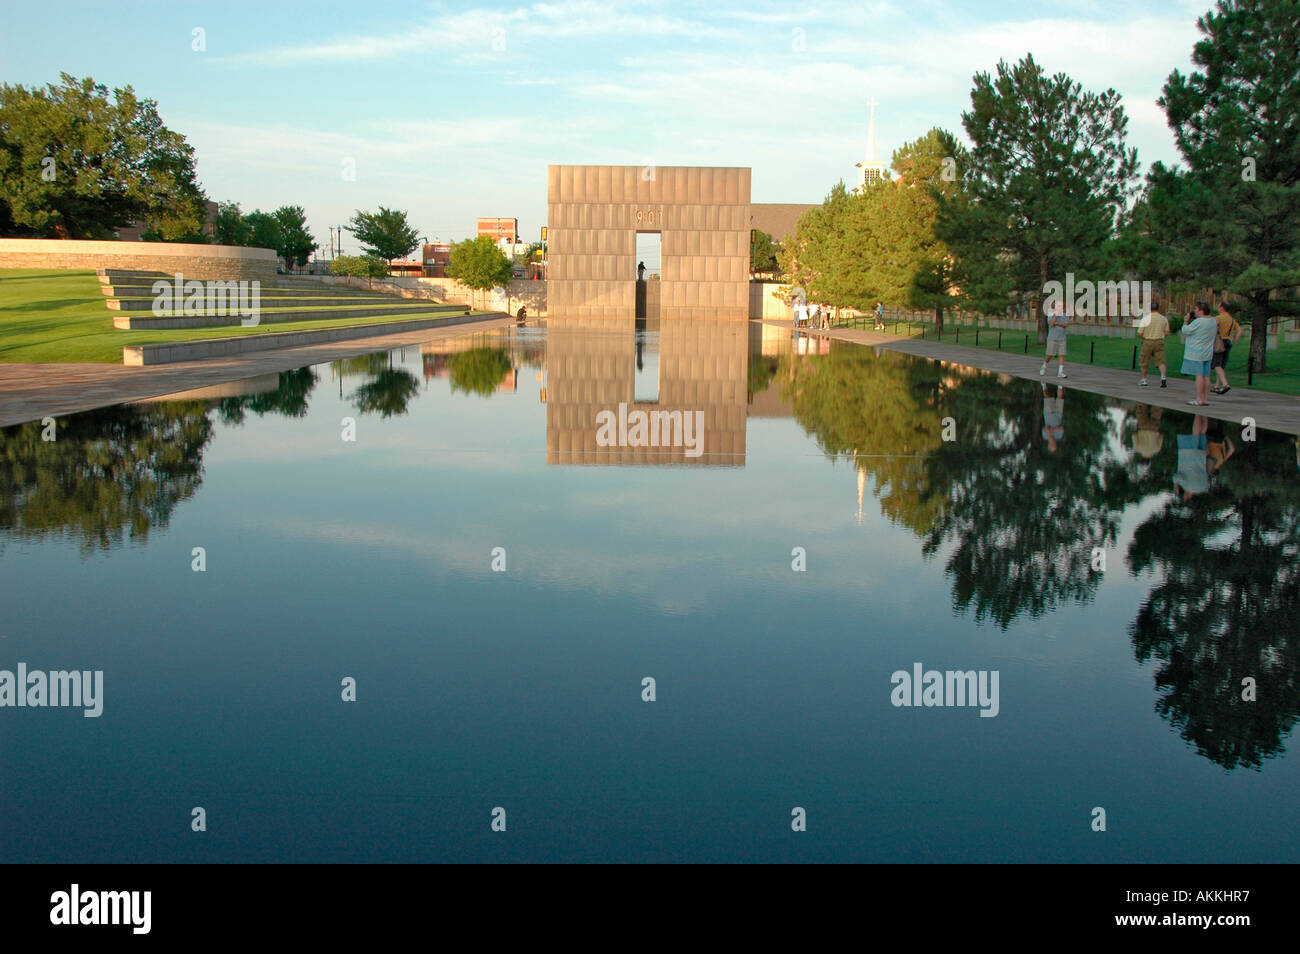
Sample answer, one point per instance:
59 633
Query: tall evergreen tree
295 242
1047 178
1232 217
910 252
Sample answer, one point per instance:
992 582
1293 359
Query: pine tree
1047 179
1232 217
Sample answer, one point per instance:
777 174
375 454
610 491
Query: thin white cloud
484 34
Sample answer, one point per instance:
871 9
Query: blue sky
452 111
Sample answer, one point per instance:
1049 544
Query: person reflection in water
1193 475
1218 447
1054 417
1147 439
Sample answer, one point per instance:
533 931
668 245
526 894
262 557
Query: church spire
873 170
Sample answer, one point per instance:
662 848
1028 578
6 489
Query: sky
451 111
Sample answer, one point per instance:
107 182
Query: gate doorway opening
648 266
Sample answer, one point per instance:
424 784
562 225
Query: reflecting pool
377 609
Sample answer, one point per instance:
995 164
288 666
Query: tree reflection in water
117 473
1225 606
110 474
1021 520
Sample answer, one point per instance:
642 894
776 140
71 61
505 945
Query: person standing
640 271
1057 322
1153 329
1229 334
814 314
880 316
1198 336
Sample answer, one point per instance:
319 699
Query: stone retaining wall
530 294
169 352
202 262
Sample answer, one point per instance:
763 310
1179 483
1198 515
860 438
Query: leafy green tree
75 164
824 256
360 266
1047 179
478 263
1232 217
385 234
295 242
231 226
263 230
763 254
926 177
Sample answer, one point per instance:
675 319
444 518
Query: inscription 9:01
650 217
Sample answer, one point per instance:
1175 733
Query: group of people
1208 340
819 314
815 315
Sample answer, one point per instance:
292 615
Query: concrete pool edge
1271 411
31 392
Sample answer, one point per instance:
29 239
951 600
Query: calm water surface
1121 569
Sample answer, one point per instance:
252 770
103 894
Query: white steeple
873 170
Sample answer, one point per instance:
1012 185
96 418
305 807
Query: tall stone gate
701 214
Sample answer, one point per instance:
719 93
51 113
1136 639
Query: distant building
777 219
407 269
437 256
502 231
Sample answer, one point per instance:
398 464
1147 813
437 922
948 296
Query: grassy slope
57 316
1283 375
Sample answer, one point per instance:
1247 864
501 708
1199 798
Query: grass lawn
1283 375
56 316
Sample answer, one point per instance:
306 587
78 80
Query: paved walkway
1276 412
29 392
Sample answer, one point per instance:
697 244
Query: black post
977 337
957 336
1026 344
1250 370
1133 366
1092 351
999 340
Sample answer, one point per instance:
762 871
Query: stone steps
130 289
145 305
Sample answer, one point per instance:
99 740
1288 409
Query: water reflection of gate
591 367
